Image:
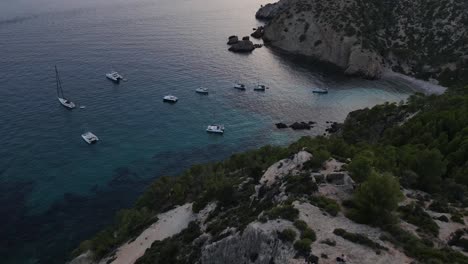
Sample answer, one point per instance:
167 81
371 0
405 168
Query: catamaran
114 76
60 96
90 138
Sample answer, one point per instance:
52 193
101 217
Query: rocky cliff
427 39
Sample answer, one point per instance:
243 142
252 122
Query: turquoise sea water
55 190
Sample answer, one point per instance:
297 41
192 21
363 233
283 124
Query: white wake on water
418 85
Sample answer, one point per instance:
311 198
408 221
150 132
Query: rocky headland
426 39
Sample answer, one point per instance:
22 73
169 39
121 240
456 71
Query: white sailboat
60 96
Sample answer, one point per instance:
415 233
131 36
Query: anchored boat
239 86
170 99
114 76
320 91
60 96
202 90
216 129
90 138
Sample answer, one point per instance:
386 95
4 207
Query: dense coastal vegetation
423 38
420 144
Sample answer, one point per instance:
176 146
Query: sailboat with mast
60 96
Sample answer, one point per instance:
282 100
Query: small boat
202 90
239 86
260 87
114 76
170 99
60 96
216 129
320 91
90 138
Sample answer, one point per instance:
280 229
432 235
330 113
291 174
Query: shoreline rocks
258 33
281 125
233 40
244 45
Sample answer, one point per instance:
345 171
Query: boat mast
59 84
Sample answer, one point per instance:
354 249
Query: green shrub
458 218
287 212
303 246
309 234
300 185
359 239
376 199
287 235
301 225
415 214
329 205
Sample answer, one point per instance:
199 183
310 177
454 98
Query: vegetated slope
363 37
295 204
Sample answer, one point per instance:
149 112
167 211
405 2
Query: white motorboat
60 96
320 91
170 99
216 129
239 86
114 76
90 138
202 90
260 87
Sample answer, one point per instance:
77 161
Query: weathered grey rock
364 63
85 258
319 178
258 244
232 40
337 178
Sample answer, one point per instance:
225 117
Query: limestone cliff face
257 244
363 37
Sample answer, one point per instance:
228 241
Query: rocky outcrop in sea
244 45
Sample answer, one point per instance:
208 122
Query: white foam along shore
169 223
418 85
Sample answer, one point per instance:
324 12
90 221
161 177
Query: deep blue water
55 190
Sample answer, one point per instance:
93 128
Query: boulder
337 178
258 33
246 38
232 40
242 46
300 125
281 125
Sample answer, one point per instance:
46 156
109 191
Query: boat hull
67 104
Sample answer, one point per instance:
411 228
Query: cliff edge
426 39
